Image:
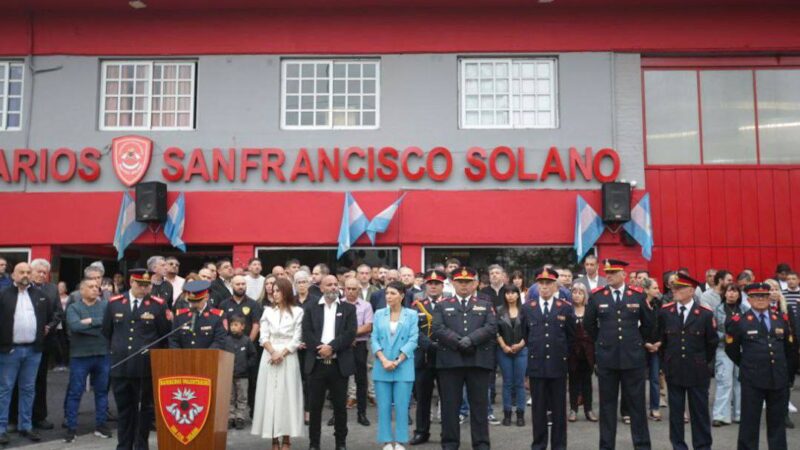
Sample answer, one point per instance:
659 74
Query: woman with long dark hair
278 411
512 354
580 360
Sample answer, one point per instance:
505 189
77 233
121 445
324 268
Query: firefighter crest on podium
184 401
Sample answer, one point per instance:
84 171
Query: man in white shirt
177 281
255 281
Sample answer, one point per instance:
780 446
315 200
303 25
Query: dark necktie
135 305
763 323
617 296
683 315
546 308
464 303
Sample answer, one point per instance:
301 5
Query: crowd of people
302 337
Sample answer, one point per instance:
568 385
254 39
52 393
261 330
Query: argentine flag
176 220
128 229
354 224
381 222
641 227
588 227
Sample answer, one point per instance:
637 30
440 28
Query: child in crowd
245 356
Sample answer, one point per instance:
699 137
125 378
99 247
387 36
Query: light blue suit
394 387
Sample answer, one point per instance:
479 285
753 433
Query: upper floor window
508 93
722 115
11 95
147 95
330 94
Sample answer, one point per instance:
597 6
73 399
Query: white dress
279 390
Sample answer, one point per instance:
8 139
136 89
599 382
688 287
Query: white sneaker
399 447
530 401
388 446
792 408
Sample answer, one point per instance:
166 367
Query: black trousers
752 399
451 388
423 390
360 355
633 384
40 395
698 412
580 385
135 413
252 378
326 378
549 394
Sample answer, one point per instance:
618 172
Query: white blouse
281 328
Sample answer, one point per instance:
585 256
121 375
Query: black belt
326 362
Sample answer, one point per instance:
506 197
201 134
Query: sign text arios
276 165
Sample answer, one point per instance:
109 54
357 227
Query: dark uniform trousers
619 330
134 398
548 339
360 355
688 348
459 367
425 366
323 378
764 358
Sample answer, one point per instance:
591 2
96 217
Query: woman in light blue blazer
394 339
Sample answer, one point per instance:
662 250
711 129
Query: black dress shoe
362 419
4 439
419 439
313 448
31 435
331 422
341 447
43 424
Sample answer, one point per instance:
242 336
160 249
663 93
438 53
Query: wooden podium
191 396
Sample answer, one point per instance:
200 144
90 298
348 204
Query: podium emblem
184 402
131 157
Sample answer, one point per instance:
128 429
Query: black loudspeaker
151 202
616 202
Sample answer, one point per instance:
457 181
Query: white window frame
6 66
25 250
149 113
330 125
462 93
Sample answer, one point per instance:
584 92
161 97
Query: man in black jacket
465 328
24 315
40 272
221 288
329 329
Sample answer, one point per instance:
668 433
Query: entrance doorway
311 256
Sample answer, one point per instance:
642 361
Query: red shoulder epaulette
218 312
558 303
414 303
635 289
116 297
786 317
598 289
736 317
667 305
182 311
158 300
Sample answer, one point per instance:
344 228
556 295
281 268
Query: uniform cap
140 275
545 274
757 289
196 290
614 265
464 273
685 280
435 275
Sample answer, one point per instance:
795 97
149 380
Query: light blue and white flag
354 224
128 229
588 227
641 227
176 221
381 222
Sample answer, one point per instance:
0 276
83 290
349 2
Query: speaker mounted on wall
151 202
616 202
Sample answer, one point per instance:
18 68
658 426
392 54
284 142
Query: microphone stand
145 348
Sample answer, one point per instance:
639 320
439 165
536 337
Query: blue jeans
79 368
653 366
513 368
726 374
20 366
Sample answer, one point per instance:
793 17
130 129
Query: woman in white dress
279 393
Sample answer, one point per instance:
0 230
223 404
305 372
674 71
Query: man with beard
160 287
132 321
711 298
241 304
425 354
407 276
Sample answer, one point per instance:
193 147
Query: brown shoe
591 417
573 416
351 403
371 400
655 415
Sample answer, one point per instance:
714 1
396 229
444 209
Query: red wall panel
743 217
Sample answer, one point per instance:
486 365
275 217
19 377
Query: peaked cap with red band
464 273
435 276
614 265
685 280
197 290
141 276
757 289
545 274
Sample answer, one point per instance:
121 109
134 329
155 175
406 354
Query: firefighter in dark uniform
761 342
425 354
550 327
465 329
688 342
619 320
132 321
203 326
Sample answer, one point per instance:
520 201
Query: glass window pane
368 118
322 118
13 121
369 70
779 115
293 70
292 86
292 118
307 118
322 70
673 135
729 135
307 86
292 101
339 70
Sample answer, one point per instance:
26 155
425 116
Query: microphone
194 317
142 350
